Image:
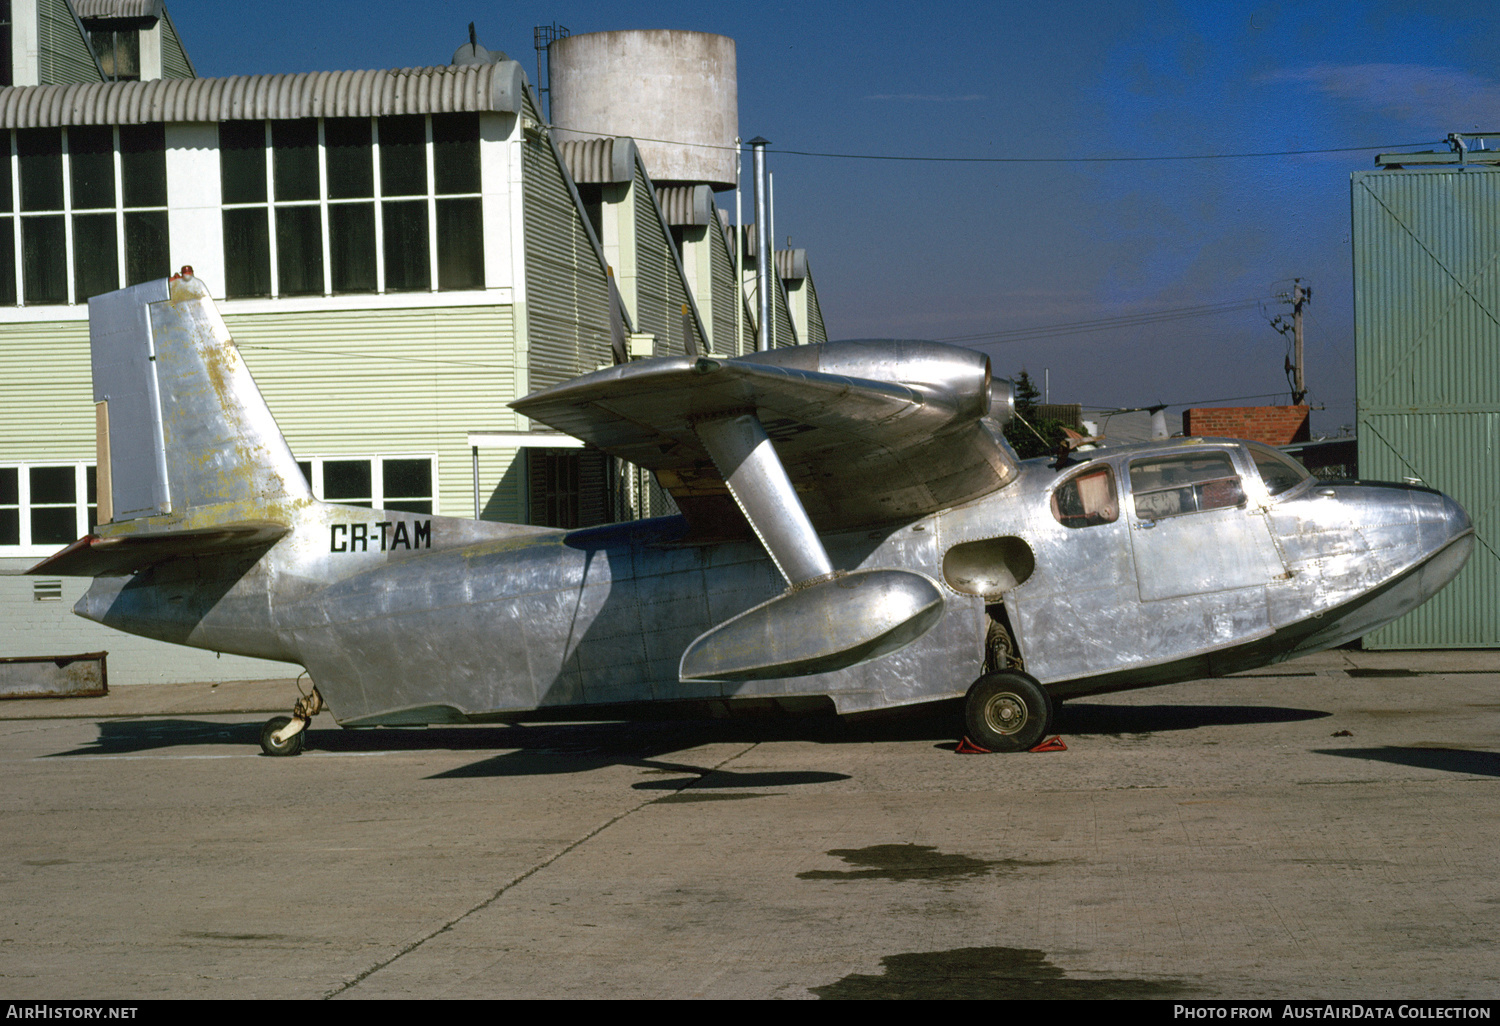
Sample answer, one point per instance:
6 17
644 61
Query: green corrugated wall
786 334
63 54
1427 350
817 331
174 59
722 260
54 388
567 298
370 382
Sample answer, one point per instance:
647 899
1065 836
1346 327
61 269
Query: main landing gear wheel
272 745
1007 712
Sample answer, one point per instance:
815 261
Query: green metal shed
1427 351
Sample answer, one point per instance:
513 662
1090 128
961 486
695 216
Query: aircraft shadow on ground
1451 760
1078 717
533 749
550 748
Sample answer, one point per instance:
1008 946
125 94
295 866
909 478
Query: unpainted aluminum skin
917 530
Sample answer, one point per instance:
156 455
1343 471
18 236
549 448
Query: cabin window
1279 472
1087 499
304 197
45 507
401 483
1173 485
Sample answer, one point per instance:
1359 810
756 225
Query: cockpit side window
1172 485
1279 472
1087 499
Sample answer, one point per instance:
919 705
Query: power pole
1299 297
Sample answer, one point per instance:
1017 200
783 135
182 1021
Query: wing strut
824 621
747 460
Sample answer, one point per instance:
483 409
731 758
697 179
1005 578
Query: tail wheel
269 743
1007 712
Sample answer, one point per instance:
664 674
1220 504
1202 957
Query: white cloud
924 98
1434 97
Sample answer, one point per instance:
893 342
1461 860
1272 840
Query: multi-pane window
7 74
1172 485
118 48
83 210
327 206
403 483
568 488
46 507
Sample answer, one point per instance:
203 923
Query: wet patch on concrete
902 862
988 974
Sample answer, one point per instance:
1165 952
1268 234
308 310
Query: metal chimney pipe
763 253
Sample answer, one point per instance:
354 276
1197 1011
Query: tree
1024 439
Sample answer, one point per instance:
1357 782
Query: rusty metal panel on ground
64 676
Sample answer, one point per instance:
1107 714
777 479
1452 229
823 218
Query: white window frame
377 476
80 504
16 215
323 202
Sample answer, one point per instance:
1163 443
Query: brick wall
1274 425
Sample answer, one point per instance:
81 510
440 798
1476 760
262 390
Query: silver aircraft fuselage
894 550
406 619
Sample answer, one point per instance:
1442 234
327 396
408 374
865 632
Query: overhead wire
1109 159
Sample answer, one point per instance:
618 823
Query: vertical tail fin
181 422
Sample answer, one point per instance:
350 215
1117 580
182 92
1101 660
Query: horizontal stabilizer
828 626
92 556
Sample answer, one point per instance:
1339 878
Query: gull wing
868 432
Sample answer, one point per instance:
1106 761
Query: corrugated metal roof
119 8
475 87
599 161
686 204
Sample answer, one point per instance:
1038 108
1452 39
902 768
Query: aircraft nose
1455 518
1448 539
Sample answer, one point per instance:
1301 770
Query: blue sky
957 250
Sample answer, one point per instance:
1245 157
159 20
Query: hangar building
398 253
1427 349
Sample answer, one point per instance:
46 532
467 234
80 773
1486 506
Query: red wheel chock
1052 744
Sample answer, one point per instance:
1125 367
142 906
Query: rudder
181 421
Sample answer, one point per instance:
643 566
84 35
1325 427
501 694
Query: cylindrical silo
652 84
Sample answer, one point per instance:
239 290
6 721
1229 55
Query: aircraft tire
292 745
1007 712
